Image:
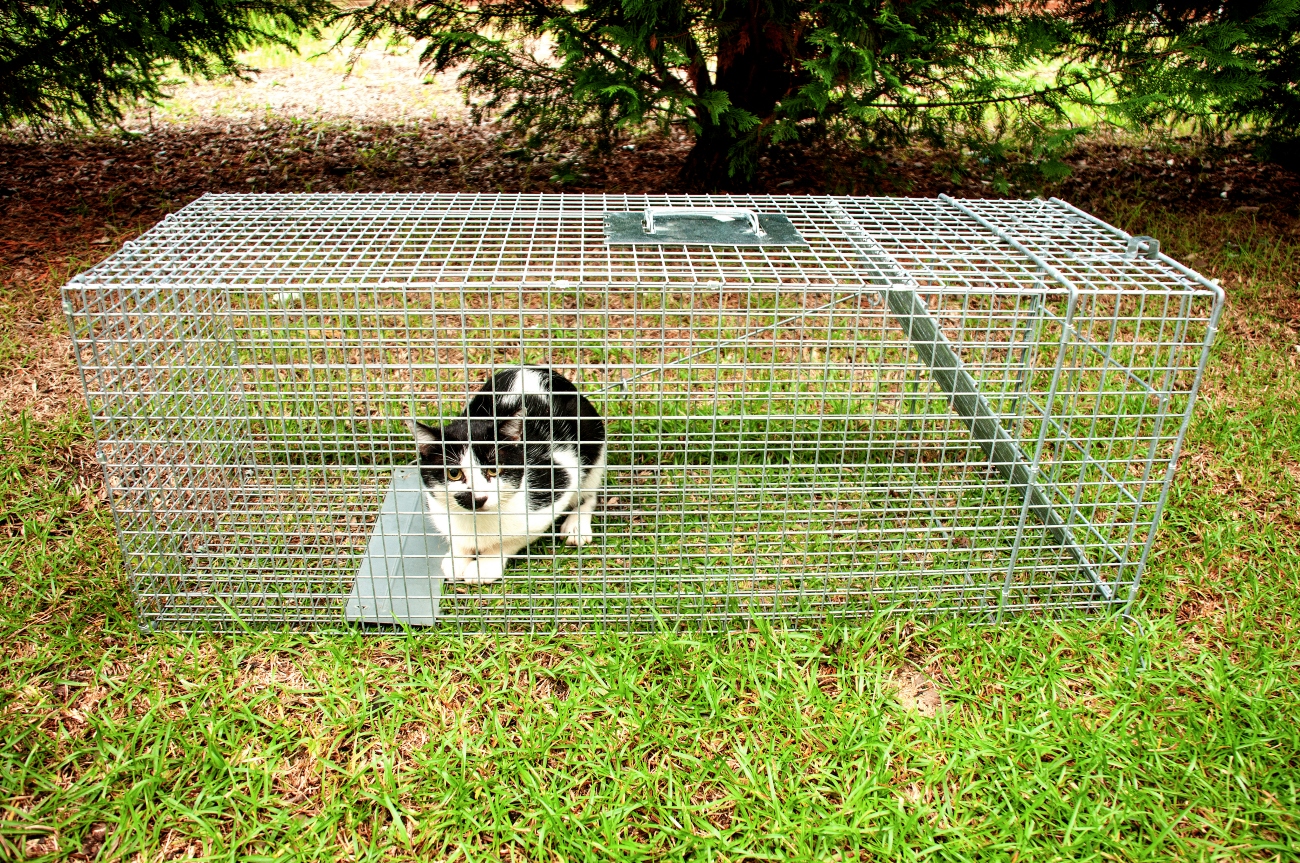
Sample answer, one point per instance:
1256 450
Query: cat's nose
469 500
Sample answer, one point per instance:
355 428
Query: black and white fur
528 449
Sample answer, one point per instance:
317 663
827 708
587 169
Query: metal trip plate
400 578
700 230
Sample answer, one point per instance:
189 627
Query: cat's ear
511 428
426 438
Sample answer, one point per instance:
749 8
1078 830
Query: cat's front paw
455 564
484 570
577 530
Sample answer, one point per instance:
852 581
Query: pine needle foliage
737 75
743 74
1218 65
80 62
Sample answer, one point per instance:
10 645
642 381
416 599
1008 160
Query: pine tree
742 74
738 74
1220 65
74 62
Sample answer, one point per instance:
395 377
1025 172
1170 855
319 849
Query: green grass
1178 739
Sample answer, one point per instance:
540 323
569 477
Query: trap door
399 580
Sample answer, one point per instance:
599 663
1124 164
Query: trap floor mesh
879 404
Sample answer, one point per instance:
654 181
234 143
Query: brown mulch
57 192
48 187
66 203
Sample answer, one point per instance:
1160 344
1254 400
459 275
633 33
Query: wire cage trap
815 407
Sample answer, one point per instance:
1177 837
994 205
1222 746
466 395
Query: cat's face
471 465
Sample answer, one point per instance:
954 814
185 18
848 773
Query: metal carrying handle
713 212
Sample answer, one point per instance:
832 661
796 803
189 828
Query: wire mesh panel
843 407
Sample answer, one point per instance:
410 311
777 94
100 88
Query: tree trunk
756 69
706 165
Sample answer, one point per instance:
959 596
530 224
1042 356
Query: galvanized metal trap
817 408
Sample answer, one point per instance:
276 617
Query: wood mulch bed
67 202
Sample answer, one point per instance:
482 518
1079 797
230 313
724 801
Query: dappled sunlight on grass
324 80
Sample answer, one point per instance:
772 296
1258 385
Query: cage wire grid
938 406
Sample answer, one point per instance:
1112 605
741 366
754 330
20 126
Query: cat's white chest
481 531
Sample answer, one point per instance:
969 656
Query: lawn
1173 735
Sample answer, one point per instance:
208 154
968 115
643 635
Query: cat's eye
491 472
454 474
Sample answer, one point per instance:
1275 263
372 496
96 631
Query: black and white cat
529 449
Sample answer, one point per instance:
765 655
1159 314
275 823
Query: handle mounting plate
700 228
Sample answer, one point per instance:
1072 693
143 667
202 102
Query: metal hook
1147 247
